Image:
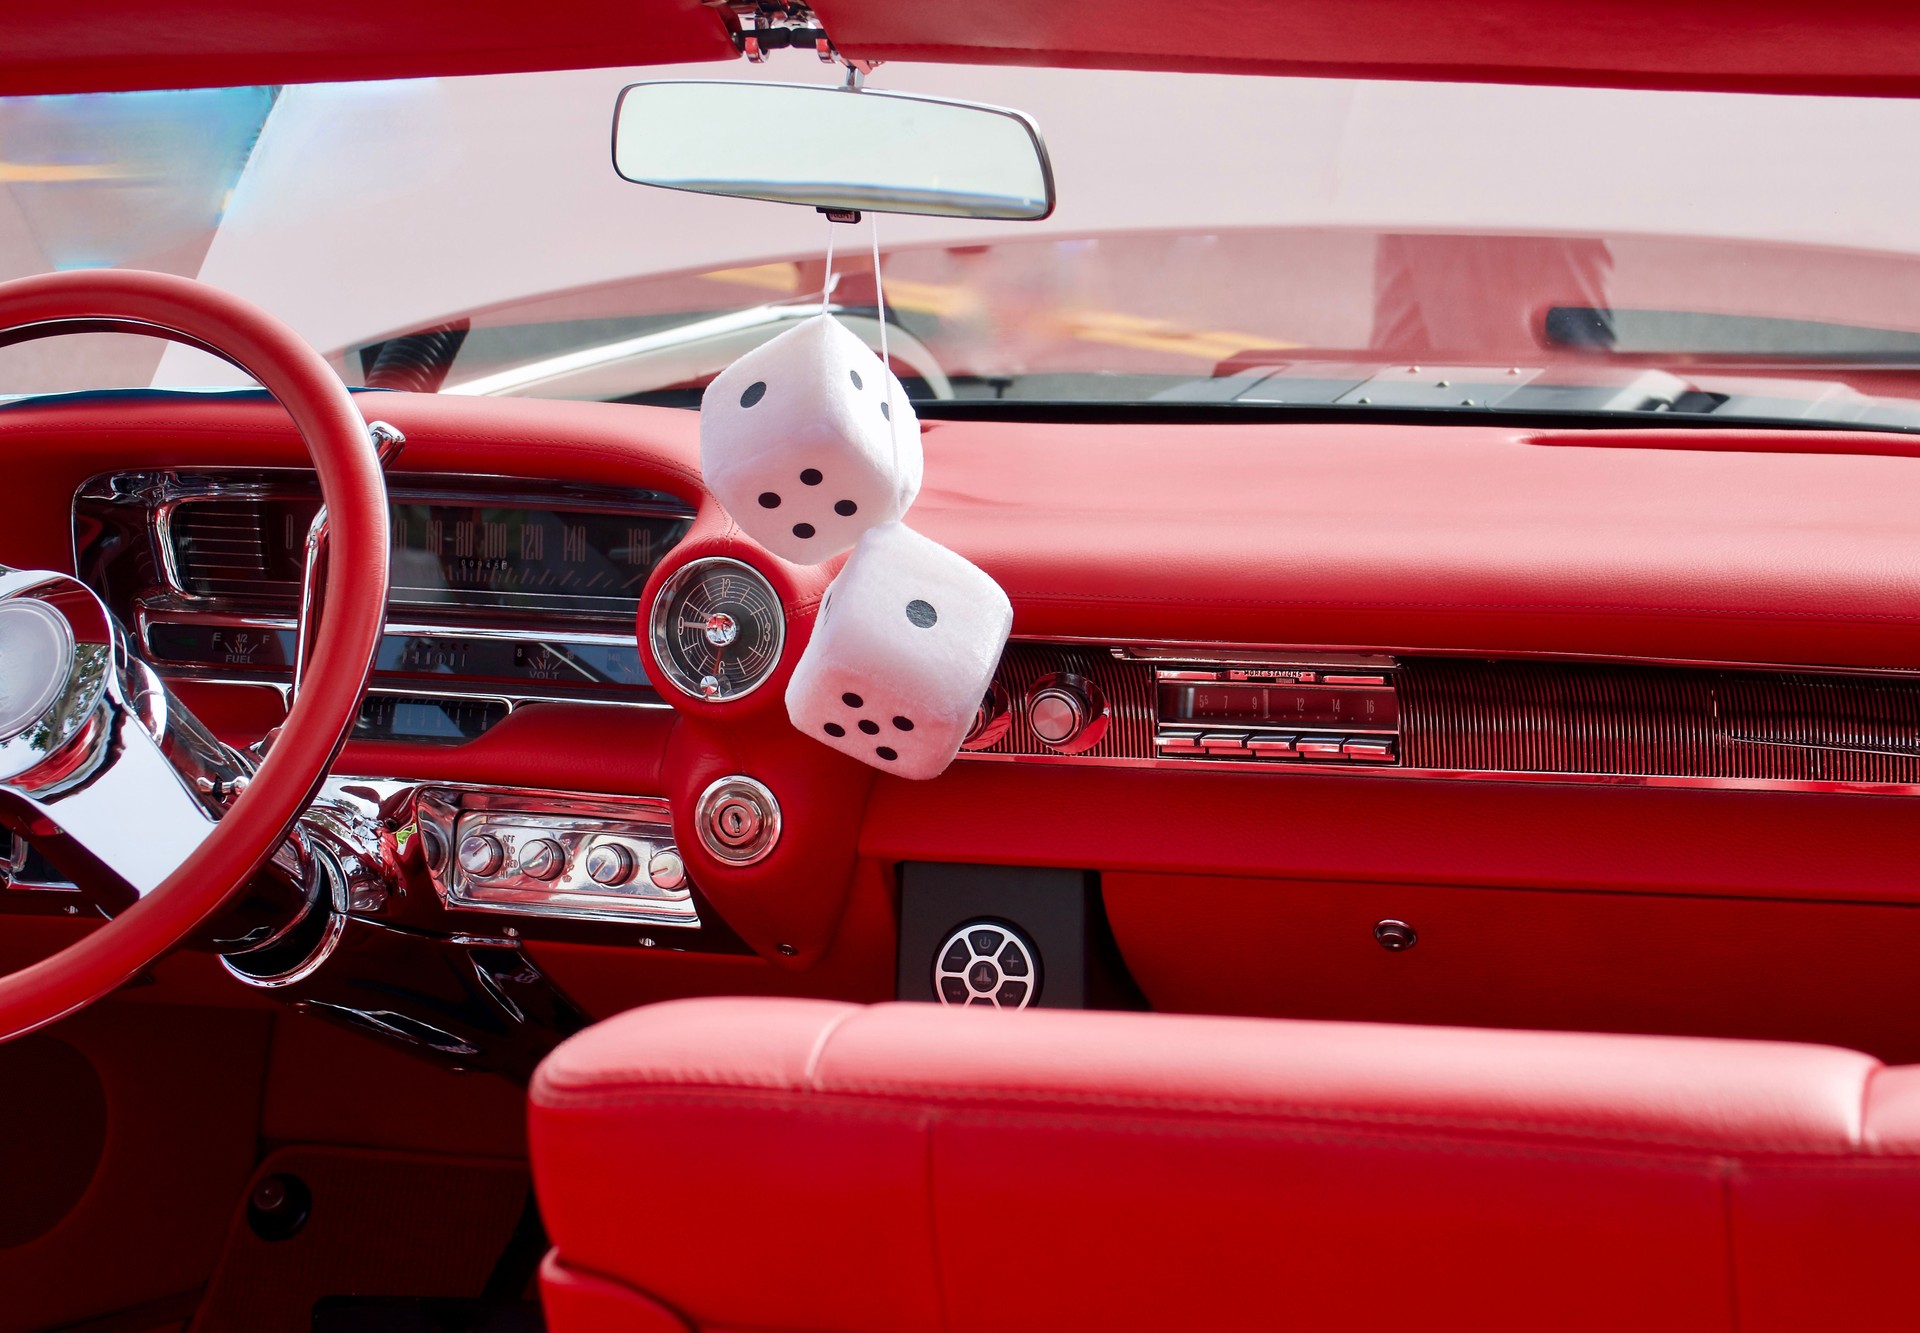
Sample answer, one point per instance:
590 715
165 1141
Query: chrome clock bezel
659 627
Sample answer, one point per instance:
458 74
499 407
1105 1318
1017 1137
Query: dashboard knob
990 720
666 869
1057 713
481 854
610 865
543 858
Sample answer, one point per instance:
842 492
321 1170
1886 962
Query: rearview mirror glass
833 148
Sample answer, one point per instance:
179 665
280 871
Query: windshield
1220 240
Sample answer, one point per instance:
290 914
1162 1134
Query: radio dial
1067 713
1057 713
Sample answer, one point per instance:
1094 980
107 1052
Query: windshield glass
1220 240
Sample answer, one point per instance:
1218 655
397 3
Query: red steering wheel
227 844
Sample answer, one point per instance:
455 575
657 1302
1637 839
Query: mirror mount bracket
759 27
849 215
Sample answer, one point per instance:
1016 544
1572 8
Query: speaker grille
1550 717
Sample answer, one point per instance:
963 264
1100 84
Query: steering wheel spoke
98 768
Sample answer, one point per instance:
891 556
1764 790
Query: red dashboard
1778 910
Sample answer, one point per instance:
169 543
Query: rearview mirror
833 148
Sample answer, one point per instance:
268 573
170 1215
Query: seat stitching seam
1438 1136
810 1074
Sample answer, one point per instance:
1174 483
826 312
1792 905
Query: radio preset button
1371 751
1331 747
1224 742
1178 744
1273 747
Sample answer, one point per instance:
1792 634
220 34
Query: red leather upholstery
806 1165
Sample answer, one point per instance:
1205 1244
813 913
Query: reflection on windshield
1298 317
133 180
1713 257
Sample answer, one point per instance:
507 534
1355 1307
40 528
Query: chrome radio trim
1204 740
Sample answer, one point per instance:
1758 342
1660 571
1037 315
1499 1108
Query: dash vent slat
220 550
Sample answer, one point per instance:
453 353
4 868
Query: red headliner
1855 46
1858 46
108 45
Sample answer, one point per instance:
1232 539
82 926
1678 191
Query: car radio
1276 712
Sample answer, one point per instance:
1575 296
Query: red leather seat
788 1165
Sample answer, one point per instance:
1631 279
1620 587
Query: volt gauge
717 628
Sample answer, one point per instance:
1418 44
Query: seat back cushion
804 1165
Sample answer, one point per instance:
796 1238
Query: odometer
717 629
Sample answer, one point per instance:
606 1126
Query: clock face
717 629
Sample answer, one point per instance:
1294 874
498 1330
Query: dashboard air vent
219 550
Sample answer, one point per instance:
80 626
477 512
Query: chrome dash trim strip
1348 769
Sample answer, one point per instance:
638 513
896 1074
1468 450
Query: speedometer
717 629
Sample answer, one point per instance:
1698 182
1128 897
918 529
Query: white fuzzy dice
808 441
902 653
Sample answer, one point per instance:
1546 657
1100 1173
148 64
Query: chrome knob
481 854
1057 713
990 720
610 865
666 869
543 858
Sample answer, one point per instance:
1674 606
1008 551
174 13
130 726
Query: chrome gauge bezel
659 627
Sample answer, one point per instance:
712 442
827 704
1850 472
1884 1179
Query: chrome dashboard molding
1159 655
147 613
1226 653
1329 770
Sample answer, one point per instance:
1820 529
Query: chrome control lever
388 441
